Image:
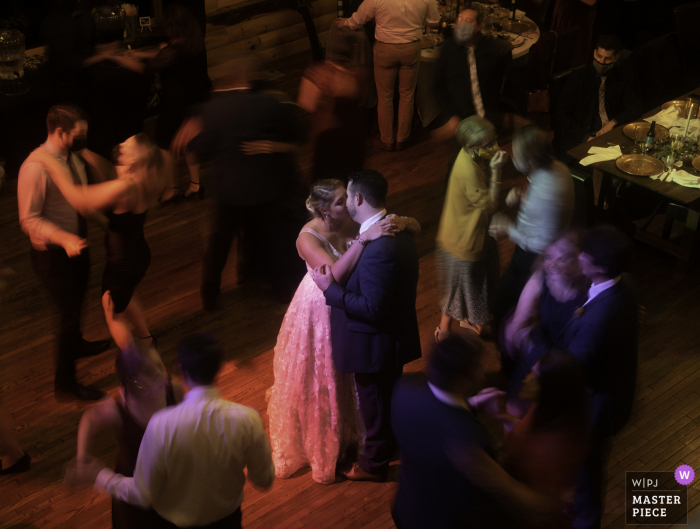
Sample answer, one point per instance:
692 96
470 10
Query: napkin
519 14
669 118
681 177
602 154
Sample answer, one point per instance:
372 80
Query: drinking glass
640 135
676 142
669 160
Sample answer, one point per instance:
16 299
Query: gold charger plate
639 165
519 26
679 103
696 163
662 132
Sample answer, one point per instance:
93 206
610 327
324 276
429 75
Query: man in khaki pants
396 52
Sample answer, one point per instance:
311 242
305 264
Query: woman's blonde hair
149 170
321 196
475 130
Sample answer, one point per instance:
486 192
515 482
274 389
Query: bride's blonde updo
322 195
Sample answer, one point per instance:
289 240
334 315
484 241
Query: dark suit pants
270 231
374 392
513 281
232 521
590 487
66 280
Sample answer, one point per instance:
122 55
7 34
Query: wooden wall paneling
285 50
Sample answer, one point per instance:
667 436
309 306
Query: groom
374 328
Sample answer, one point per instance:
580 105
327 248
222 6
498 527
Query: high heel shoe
200 191
22 465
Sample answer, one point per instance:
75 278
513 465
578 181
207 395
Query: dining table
428 108
670 192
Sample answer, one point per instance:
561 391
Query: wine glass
640 136
676 141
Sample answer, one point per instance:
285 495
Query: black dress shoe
88 349
22 465
78 391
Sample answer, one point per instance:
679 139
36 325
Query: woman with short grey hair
545 211
467 258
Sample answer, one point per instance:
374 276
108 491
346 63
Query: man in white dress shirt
192 456
396 52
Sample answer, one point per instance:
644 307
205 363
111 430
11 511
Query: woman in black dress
182 65
134 184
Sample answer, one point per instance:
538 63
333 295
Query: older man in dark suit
374 329
604 338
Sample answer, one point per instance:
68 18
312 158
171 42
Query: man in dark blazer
578 117
452 84
374 328
449 478
250 137
604 338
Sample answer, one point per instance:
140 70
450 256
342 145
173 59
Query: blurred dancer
57 231
125 199
335 92
545 211
146 388
251 137
467 257
182 65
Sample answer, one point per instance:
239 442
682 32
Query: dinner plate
639 165
518 41
661 132
519 26
696 163
678 103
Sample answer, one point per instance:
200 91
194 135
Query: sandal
199 192
485 332
154 340
439 335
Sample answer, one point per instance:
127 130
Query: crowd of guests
565 314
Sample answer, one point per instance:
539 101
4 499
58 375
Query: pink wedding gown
312 406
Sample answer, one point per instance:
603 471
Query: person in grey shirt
545 211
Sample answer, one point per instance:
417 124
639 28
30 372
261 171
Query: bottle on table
651 136
512 5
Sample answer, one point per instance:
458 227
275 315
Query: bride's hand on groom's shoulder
384 228
322 276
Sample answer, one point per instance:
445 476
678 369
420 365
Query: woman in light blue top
545 211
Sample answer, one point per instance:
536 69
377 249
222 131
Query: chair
567 40
686 19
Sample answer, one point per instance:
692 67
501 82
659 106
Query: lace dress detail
312 406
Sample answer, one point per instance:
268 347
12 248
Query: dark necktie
82 223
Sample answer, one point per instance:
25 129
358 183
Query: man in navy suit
604 338
449 478
374 329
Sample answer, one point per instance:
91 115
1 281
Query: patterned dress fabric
312 407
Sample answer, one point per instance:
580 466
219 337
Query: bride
312 406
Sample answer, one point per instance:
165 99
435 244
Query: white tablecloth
428 109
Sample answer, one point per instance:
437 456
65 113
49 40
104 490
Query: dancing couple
353 314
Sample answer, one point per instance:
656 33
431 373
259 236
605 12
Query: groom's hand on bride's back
322 276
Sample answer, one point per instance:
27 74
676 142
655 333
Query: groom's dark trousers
374 332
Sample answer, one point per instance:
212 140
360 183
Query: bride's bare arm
409 224
312 251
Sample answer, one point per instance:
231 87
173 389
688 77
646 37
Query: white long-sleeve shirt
191 460
398 21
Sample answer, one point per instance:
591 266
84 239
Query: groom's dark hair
371 185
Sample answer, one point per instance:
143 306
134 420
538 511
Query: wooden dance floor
662 434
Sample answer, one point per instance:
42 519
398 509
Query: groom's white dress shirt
368 223
191 460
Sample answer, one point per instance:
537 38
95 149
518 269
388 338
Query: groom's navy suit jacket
605 340
373 318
